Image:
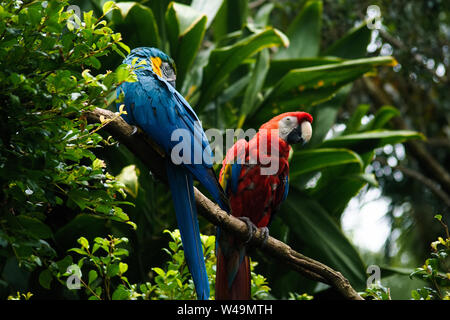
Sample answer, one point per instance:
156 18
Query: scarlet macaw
153 104
255 194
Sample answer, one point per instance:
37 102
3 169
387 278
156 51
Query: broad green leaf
223 61
354 123
368 141
382 116
338 185
34 227
322 237
304 33
207 7
261 19
93 275
185 28
325 115
45 279
279 68
304 87
232 16
137 25
351 46
159 9
387 271
311 160
257 78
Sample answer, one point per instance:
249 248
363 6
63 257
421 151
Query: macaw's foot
251 228
265 233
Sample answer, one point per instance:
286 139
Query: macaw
255 193
153 104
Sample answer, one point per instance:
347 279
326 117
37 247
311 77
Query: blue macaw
153 104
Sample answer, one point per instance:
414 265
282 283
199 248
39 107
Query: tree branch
152 156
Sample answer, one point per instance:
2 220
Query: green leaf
279 68
84 242
223 61
382 117
207 7
322 236
137 25
186 28
108 6
304 33
353 45
159 271
354 123
232 16
311 160
35 227
123 267
325 115
113 270
261 18
121 293
93 275
45 279
368 141
253 90
308 86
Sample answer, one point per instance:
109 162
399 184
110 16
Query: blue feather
286 188
181 186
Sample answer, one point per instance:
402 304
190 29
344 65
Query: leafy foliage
105 269
48 169
435 271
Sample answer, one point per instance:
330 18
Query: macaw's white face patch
286 125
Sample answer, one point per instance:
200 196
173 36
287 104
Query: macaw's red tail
229 287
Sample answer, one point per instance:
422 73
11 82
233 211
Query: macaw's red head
293 127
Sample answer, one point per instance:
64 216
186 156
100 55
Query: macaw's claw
251 228
265 233
135 130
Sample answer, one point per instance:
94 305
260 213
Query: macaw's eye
168 72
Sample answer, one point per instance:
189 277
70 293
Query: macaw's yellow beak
156 65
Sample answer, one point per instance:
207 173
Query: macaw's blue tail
181 185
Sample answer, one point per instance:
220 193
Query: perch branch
150 154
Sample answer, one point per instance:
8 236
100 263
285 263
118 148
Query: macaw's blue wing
155 106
